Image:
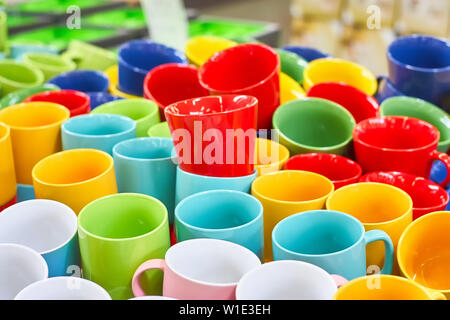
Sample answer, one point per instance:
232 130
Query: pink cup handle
340 281
148 265
445 158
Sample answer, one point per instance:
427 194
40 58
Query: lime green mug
117 233
51 65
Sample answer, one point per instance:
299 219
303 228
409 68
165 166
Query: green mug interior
136 109
49 62
420 109
160 130
122 216
18 74
314 123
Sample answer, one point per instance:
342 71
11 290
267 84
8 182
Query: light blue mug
332 240
48 227
222 214
190 183
96 131
148 166
25 192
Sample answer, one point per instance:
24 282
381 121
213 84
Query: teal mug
332 240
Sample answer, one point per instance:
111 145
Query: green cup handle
379 235
148 265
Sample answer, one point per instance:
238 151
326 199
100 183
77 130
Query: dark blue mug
99 98
307 53
419 66
136 58
82 80
386 89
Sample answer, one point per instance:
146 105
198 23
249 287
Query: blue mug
18 50
332 240
82 80
136 58
190 183
96 131
25 192
419 66
386 89
99 98
48 227
307 53
222 214
148 166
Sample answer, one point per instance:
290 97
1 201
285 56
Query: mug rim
219 54
284 172
384 185
411 67
315 212
258 217
131 124
63 153
64 93
300 102
209 38
403 236
30 252
271 163
37 104
159 125
7 134
53 203
202 177
68 64
68 74
36 72
293 48
367 124
125 195
151 107
139 139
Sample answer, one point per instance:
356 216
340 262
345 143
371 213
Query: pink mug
200 269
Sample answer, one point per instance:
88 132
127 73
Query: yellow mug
339 70
270 156
35 134
75 177
385 287
200 49
113 75
284 193
378 206
424 251
8 184
289 89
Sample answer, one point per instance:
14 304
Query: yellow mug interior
34 115
200 49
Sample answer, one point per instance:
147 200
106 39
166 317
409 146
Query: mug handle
339 280
445 158
379 235
148 265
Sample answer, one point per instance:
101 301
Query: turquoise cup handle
378 235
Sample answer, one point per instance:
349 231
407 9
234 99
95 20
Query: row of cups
219 243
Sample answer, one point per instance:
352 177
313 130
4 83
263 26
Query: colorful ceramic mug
159 130
35 134
19 95
331 240
82 80
76 101
307 53
200 269
8 186
270 156
50 64
284 193
289 89
75 177
137 229
201 48
292 64
17 75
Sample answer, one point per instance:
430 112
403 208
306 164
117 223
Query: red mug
397 143
359 104
340 170
9 204
76 101
248 69
426 195
214 135
172 82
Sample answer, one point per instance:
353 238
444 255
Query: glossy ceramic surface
76 101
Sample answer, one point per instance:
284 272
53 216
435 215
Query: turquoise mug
190 183
147 166
332 240
96 131
222 214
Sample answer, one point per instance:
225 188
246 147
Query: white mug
19 267
63 288
288 280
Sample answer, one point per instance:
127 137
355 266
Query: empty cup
82 80
76 101
16 75
50 64
201 48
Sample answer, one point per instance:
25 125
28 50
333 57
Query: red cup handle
445 158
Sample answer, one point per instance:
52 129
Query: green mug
20 95
144 112
89 57
313 125
292 64
17 75
117 233
51 65
420 109
160 130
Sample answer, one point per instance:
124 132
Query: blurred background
359 30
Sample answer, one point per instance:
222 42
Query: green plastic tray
130 18
56 6
224 28
17 20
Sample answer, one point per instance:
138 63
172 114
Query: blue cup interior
421 52
318 232
144 55
218 210
145 149
82 80
307 53
99 98
98 125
